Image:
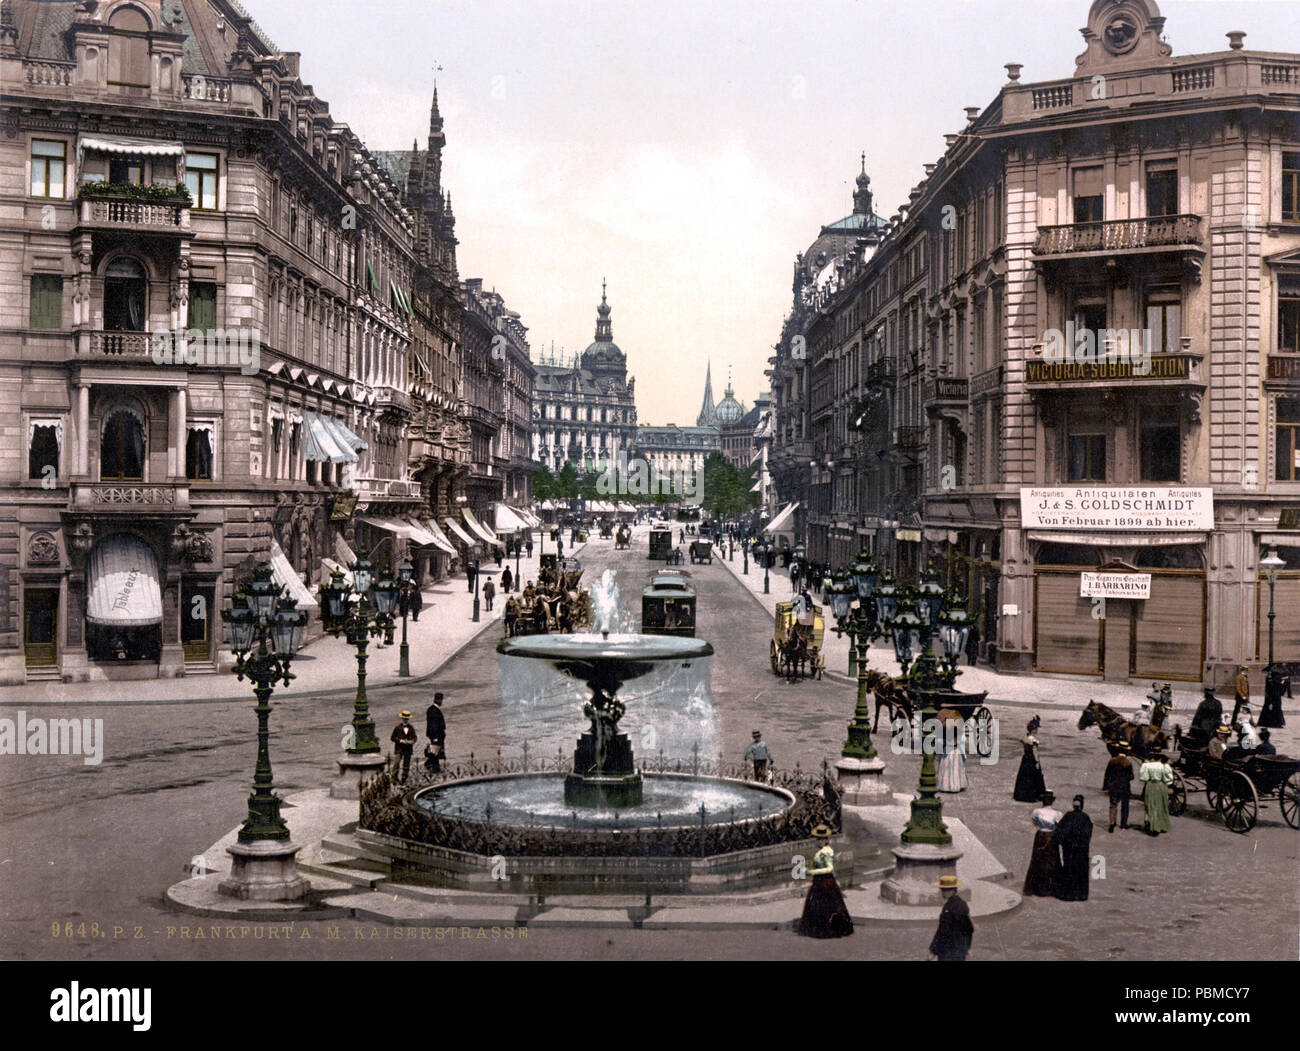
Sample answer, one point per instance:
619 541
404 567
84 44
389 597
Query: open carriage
1236 785
795 646
623 538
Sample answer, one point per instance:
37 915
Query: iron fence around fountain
388 807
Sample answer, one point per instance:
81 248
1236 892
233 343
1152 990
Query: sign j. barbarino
1136 508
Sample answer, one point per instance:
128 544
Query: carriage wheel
1238 803
1178 795
775 668
1289 798
983 731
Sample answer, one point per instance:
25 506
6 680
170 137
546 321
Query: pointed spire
604 327
862 195
708 413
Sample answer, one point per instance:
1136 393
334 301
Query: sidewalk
1040 690
327 665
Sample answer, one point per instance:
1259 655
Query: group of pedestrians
405 738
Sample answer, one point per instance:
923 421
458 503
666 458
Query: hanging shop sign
344 505
1130 508
1115 585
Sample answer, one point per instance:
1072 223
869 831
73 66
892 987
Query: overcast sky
685 150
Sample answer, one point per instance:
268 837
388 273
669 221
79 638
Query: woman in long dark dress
1044 862
1073 837
825 915
1029 778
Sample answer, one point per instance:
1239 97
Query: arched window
129 58
124 296
121 446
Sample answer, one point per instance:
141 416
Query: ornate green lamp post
263 856
404 574
351 614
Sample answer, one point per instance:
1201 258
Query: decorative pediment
1122 33
1289 261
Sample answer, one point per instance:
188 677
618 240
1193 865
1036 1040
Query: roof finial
864 162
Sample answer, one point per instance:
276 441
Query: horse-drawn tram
661 544
797 642
668 606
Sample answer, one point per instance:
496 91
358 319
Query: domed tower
729 409
603 358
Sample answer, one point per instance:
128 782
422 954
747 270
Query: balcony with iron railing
1157 233
378 490
129 214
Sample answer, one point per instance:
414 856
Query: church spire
604 327
708 414
862 195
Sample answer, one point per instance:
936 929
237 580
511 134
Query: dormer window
128 57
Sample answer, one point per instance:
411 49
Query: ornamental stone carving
42 550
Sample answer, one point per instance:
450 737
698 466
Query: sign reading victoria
1141 509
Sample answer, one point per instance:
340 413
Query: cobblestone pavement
99 844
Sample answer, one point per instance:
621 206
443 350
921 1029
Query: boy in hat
760 755
403 738
1242 688
952 940
1220 743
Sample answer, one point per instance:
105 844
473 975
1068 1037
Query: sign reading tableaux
1100 509
1115 585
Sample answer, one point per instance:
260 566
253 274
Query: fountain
606 824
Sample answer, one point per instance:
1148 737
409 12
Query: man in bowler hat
435 729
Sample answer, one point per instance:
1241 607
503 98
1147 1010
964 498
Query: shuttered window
1169 629
1067 637
47 301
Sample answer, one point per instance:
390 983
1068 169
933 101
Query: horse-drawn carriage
796 646
702 551
1236 784
668 606
606 529
623 538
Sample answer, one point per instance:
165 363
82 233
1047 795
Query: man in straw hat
403 738
1220 743
952 940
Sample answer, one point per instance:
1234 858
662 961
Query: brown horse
889 694
1115 729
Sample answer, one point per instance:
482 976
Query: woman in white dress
951 769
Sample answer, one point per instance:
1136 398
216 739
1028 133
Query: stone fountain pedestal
862 781
917 868
614 784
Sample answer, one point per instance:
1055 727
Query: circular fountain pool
668 801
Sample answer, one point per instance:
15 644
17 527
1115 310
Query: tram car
668 606
661 544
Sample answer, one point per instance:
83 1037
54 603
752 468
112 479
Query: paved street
101 844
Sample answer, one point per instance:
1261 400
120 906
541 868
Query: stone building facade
584 412
1079 340
165 171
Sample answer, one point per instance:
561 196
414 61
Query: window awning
532 520
781 523
391 525
287 577
508 520
343 435
128 146
419 535
122 588
439 537
321 444
476 526
459 533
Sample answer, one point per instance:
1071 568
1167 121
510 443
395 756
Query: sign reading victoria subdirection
1140 508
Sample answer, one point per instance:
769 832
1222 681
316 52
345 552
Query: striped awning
343 435
478 527
459 533
321 444
781 523
508 520
392 525
122 589
439 537
287 577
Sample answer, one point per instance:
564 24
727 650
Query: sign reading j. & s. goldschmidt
1139 508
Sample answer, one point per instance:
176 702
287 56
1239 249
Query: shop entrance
41 627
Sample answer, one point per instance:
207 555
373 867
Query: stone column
82 467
